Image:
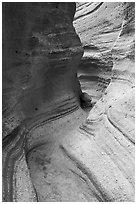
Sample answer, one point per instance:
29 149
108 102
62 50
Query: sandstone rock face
52 149
107 29
43 52
99 26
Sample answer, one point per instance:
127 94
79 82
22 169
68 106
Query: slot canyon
68 101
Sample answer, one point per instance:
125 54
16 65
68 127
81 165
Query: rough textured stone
52 149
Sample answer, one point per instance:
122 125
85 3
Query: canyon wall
52 149
41 52
100 27
107 32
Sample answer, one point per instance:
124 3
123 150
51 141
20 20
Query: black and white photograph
68 101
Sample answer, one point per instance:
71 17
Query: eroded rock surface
108 152
52 149
41 52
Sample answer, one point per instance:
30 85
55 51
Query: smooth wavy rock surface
41 53
52 149
99 25
109 132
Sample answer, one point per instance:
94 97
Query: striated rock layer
52 149
108 134
99 25
41 52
